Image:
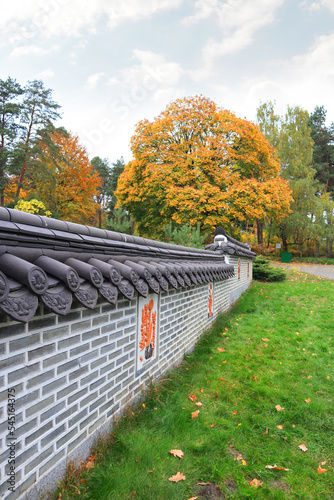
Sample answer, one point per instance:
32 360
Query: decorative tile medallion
147 329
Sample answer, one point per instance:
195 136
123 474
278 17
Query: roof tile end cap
25 218
4 214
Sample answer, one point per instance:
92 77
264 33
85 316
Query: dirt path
315 269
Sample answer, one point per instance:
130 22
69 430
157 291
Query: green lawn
279 346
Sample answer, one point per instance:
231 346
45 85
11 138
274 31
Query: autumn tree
198 163
10 109
73 183
39 111
323 149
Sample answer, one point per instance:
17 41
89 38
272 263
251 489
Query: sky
112 63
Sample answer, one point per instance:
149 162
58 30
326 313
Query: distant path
323 271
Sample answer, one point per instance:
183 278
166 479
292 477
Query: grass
278 351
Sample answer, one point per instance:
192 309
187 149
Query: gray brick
53 411
88 420
76 396
97 403
77 418
80 325
113 374
107 368
96 384
44 377
100 341
2 381
79 350
101 319
123 341
39 406
23 487
55 333
64 344
26 455
98 362
11 330
89 399
113 410
106 406
108 328
51 463
54 360
115 354
66 414
41 323
38 460
122 360
121 377
106 387
108 308
77 441
27 399
23 429
128 381
91 334
77 373
123 323
67 390
96 424
71 316
53 386
89 378
108 348
36 435
41 351
12 361
91 355
23 372
121 395
24 342
67 366
114 391
66 438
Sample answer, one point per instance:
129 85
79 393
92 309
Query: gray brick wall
72 374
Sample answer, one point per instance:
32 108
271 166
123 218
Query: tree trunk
269 232
259 227
283 236
326 251
317 246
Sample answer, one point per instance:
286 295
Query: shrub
263 271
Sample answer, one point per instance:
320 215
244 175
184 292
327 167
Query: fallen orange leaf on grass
321 471
221 349
192 397
274 467
308 400
194 414
177 453
256 483
235 412
198 404
221 378
279 408
193 498
177 477
265 339
224 362
302 447
279 427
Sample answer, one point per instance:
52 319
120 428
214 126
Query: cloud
30 50
93 80
22 20
44 75
238 21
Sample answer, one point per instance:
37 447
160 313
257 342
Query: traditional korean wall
68 376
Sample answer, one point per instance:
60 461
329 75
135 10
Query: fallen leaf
255 483
265 339
193 498
221 349
224 362
328 377
177 453
279 427
267 428
255 377
321 470
243 462
235 412
177 477
194 414
274 467
308 400
198 404
279 408
150 471
83 481
293 426
192 397
221 378
217 396
212 425
137 459
202 390
133 494
302 447
323 463
202 484
90 464
238 425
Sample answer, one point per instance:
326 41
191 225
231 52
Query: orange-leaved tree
198 163
65 180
